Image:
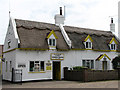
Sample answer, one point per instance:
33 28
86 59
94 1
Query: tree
115 62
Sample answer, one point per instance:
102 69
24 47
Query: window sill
37 72
88 48
53 46
113 50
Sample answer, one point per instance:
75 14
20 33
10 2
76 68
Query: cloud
81 13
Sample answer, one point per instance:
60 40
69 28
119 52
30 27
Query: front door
104 65
56 70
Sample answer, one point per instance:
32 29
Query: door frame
60 68
103 65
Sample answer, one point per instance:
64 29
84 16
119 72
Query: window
42 65
88 63
36 66
52 42
88 45
10 66
6 66
9 41
113 47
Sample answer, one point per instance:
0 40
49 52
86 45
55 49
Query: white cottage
42 50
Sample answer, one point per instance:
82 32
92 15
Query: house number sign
57 56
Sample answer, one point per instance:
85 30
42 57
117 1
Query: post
85 74
12 78
65 73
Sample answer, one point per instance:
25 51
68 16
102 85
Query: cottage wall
9 52
71 58
10 56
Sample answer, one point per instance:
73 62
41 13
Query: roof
33 34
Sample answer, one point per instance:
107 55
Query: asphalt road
62 84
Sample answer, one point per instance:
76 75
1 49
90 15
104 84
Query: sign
21 65
57 56
48 66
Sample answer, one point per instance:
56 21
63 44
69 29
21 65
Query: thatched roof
33 35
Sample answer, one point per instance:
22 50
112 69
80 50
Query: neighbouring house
42 50
1 55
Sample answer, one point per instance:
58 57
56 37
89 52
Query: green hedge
78 67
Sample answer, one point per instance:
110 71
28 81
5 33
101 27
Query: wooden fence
86 75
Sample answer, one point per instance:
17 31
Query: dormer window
88 42
113 47
88 45
52 40
113 44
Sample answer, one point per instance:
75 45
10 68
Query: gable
88 38
102 56
52 33
113 41
11 36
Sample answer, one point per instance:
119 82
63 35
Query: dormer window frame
52 40
88 42
88 45
113 44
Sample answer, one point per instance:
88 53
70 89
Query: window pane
36 61
31 65
6 66
42 66
92 64
37 67
89 44
10 66
88 64
50 42
53 42
86 44
112 46
83 63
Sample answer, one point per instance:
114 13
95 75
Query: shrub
78 68
115 62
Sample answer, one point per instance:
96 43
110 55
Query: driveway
62 84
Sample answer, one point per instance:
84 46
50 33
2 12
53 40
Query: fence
86 75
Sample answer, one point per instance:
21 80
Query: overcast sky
94 14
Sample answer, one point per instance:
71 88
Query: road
63 84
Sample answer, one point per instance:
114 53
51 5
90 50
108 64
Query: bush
115 62
78 68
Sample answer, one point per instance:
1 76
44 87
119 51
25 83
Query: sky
94 14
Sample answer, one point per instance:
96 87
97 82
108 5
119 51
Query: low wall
86 75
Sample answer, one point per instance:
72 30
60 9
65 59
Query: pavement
62 84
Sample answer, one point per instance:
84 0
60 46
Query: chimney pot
60 10
111 20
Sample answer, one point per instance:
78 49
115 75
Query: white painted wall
10 36
10 56
71 58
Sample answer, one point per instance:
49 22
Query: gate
16 75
